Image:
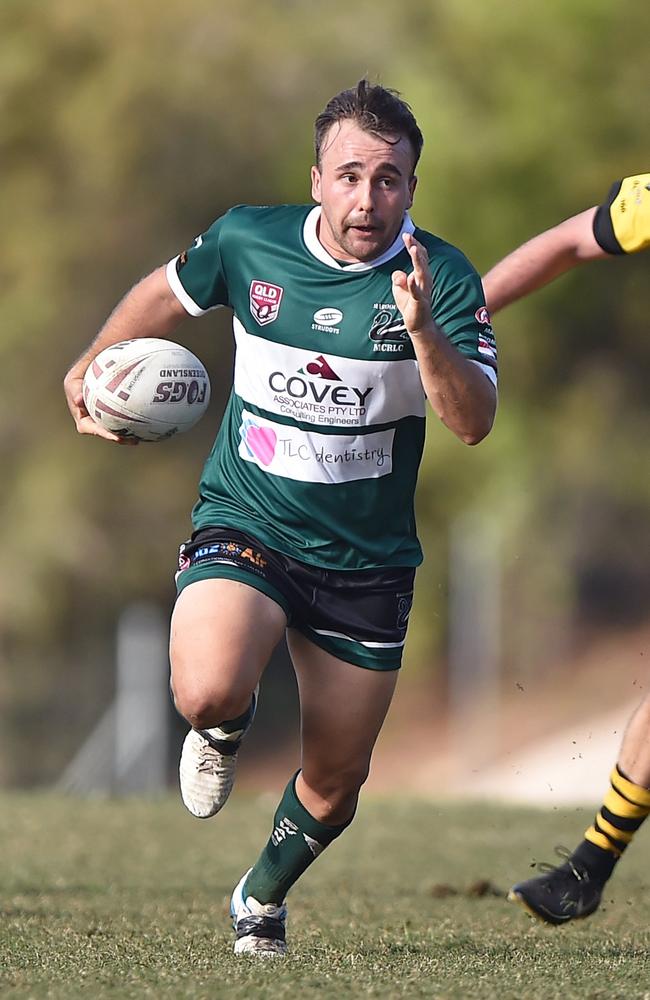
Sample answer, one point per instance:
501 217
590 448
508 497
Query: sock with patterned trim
296 841
624 809
231 726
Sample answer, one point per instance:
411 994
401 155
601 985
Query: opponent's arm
542 259
150 309
458 391
620 225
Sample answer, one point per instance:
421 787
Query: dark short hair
375 109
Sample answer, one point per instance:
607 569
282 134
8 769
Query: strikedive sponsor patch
487 346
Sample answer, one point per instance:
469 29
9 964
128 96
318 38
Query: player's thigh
342 708
222 635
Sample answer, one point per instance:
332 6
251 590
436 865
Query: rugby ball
146 388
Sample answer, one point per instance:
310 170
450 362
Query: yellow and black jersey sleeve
622 222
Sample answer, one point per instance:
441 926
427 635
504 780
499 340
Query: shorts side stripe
360 642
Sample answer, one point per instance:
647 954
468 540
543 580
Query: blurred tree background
127 127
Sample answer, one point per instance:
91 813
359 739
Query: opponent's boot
259 927
208 763
560 893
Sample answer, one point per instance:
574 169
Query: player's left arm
459 392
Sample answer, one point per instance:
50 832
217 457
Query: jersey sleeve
197 276
460 312
622 222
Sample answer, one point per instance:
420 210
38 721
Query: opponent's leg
222 635
634 758
342 710
574 889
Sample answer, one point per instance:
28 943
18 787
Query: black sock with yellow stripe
624 809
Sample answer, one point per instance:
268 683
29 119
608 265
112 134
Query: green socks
296 841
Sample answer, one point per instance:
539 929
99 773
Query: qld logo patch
265 301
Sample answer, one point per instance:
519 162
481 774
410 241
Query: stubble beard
354 245
346 242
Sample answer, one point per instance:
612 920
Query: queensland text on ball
148 388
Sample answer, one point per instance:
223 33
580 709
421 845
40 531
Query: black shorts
359 616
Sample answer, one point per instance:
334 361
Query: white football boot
207 766
259 927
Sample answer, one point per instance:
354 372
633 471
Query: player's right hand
73 388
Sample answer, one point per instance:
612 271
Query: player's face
364 185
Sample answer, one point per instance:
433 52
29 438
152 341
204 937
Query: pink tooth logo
259 441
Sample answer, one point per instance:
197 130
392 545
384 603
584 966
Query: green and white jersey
318 452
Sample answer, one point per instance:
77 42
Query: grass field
129 899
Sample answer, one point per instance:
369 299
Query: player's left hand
412 292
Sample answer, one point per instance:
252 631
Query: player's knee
204 708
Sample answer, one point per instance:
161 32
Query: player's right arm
150 309
621 224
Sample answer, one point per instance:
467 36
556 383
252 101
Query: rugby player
347 318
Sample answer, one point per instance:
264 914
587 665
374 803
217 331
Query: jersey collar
315 246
